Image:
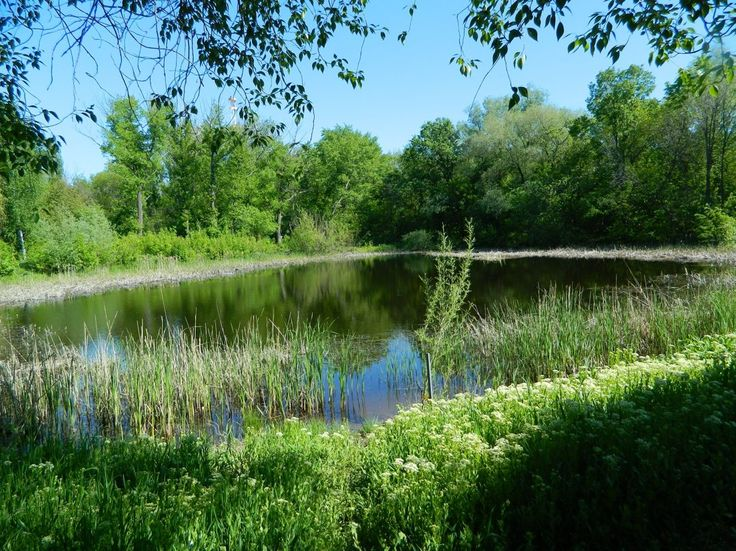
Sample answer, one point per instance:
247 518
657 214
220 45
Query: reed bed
177 382
572 328
183 381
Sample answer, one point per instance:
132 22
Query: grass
636 455
177 383
569 328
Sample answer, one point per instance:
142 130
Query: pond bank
675 254
543 465
36 289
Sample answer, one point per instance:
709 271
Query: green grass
569 328
176 383
636 455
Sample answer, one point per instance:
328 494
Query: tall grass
571 328
183 381
178 382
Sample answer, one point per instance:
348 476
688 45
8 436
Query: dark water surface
381 298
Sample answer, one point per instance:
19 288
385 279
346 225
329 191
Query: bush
252 221
8 260
715 227
71 242
313 236
129 249
227 245
418 240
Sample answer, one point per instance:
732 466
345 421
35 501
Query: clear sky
406 85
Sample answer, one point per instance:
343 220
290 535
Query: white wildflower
410 467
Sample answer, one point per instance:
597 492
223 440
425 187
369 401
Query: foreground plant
637 454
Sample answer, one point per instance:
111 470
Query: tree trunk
725 143
213 184
708 170
22 244
140 211
278 229
721 176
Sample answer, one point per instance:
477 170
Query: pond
380 299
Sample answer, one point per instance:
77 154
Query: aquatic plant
178 382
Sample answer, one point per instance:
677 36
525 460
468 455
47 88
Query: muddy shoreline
685 255
61 287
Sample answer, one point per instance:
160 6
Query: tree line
631 169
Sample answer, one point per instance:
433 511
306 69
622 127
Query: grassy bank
31 288
636 455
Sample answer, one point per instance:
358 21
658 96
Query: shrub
227 245
8 260
127 250
252 221
131 248
715 227
313 236
418 240
71 242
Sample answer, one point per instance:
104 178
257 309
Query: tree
219 141
134 143
511 158
713 113
341 172
431 196
285 170
619 102
667 25
23 196
185 169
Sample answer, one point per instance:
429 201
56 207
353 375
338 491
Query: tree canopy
257 49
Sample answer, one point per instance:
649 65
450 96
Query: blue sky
406 85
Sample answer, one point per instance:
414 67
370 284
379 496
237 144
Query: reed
572 328
177 382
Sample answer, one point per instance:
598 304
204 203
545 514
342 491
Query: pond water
379 298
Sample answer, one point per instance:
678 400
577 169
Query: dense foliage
632 169
636 455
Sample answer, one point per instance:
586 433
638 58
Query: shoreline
683 255
169 272
60 287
